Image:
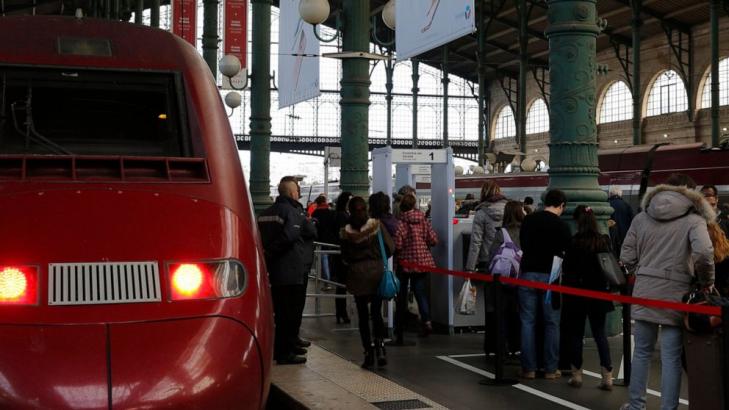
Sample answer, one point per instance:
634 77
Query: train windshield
48 111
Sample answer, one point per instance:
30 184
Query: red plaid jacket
414 238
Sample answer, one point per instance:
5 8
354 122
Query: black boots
369 359
380 353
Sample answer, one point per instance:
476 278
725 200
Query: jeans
573 323
529 303
364 315
417 283
646 334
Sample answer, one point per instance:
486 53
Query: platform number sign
419 156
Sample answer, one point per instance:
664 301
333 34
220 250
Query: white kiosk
409 162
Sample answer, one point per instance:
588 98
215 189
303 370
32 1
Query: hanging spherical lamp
314 11
388 14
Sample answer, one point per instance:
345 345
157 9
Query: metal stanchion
499 379
725 352
627 342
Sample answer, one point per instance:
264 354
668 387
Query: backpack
507 259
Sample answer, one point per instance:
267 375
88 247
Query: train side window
92 112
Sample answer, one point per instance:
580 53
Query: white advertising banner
298 60
423 25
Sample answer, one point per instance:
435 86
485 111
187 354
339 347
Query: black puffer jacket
288 241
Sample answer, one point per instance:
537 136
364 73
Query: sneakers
607 380
552 376
527 375
576 379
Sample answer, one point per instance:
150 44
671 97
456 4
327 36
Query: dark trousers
339 274
287 317
417 282
364 315
510 332
574 328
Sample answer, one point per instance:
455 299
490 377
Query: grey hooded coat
668 246
489 216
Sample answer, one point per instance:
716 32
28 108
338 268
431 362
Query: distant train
630 168
131 274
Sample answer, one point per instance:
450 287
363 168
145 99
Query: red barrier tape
660 304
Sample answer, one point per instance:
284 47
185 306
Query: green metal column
210 35
521 98
415 90
138 12
636 24
259 183
389 70
572 34
355 98
481 82
154 13
445 82
715 9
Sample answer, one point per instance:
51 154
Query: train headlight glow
18 285
206 280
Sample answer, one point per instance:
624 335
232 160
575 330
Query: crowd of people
678 242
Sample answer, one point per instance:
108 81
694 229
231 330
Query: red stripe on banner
592 294
234 39
184 19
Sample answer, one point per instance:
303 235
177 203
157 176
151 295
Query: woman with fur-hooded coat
365 266
668 246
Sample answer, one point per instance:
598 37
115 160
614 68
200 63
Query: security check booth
448 253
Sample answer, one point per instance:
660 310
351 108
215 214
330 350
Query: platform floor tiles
447 370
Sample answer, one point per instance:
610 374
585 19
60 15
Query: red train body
622 167
131 273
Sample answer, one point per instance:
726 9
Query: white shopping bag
555 276
466 301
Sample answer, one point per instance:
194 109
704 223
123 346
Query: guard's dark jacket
288 241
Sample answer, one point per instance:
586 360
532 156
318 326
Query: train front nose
206 363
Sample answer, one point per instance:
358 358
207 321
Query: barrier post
499 379
725 351
627 342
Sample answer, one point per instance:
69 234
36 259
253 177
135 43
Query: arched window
427 123
472 124
378 121
667 95
617 104
723 85
505 125
402 122
537 119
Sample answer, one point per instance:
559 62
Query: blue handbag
389 284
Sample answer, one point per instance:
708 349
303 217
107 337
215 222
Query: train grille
103 283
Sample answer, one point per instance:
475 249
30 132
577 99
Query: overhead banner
298 59
184 20
423 25
234 38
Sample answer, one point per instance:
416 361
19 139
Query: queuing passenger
361 253
288 243
712 197
513 218
622 214
543 236
487 221
669 247
529 205
404 190
327 232
379 204
413 240
721 258
339 270
581 269
469 204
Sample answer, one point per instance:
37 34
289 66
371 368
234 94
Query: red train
630 168
131 274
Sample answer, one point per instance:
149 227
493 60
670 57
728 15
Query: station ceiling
501 19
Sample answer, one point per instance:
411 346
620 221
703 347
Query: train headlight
18 285
206 280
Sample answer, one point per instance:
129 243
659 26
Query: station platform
440 371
